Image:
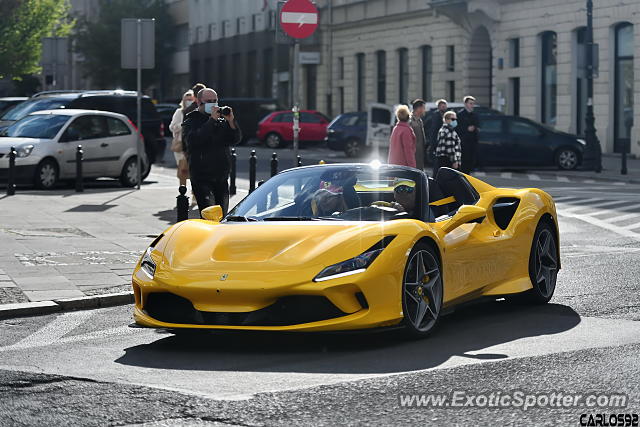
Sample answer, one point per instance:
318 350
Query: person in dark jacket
432 125
448 150
468 124
209 135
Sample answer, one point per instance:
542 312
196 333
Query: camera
225 111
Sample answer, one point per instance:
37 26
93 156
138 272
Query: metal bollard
252 171
79 182
182 204
260 182
274 164
623 167
299 160
11 178
234 160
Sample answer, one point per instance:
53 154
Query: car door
492 141
119 139
526 143
313 127
284 125
380 119
89 132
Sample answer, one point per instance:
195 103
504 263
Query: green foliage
23 23
99 43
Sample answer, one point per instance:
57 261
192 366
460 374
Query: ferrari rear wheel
543 265
422 291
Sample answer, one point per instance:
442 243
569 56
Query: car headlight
24 150
582 141
354 265
148 265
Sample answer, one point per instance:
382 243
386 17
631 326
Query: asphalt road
89 368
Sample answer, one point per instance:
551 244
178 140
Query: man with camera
209 131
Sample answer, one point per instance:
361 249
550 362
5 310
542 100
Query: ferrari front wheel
422 291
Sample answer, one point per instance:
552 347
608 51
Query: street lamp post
593 148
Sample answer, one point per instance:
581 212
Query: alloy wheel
545 264
422 291
567 159
47 175
273 141
352 148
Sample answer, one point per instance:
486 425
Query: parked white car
46 144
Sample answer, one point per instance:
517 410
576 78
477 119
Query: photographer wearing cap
209 132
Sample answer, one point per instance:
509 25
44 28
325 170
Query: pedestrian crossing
539 177
621 215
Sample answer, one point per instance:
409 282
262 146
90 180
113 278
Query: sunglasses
403 189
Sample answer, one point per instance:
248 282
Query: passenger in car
404 195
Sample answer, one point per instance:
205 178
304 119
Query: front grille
290 310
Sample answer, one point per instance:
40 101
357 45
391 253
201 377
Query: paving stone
40 283
46 295
9 284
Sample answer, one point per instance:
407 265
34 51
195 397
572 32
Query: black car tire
128 176
567 158
46 174
543 264
415 292
353 148
273 140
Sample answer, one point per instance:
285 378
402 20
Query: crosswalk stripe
609 203
589 181
506 175
623 217
53 331
573 207
562 179
621 209
533 177
480 173
632 226
619 183
564 198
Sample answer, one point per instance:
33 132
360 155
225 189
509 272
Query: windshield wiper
290 218
240 218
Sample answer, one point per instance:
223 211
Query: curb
38 308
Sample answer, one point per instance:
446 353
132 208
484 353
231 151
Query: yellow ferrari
350 246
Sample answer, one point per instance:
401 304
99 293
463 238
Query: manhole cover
46 232
79 258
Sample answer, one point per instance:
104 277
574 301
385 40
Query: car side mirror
465 214
212 213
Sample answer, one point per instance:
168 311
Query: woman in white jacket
176 143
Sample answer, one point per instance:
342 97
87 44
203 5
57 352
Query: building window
312 80
581 79
256 21
451 90
360 83
381 61
514 84
451 58
549 86
426 71
225 29
198 35
222 75
212 32
182 37
341 99
239 25
252 70
267 74
623 92
514 53
403 75
341 68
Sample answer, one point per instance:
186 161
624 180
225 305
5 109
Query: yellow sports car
350 246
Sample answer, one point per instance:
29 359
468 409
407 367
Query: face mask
453 124
187 104
208 107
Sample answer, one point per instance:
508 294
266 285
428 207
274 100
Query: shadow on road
471 329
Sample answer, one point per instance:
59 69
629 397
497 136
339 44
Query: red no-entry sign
299 18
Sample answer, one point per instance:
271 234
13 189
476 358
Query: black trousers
469 157
210 192
441 162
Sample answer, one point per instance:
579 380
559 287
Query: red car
276 129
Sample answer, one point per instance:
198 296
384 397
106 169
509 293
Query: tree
23 24
99 43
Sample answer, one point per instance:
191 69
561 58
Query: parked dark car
249 112
348 133
517 141
166 111
8 102
117 101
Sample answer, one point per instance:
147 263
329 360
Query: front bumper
348 303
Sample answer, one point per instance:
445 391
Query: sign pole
296 100
139 96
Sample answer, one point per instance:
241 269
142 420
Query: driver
328 199
404 196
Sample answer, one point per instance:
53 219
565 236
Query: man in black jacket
432 127
209 134
468 130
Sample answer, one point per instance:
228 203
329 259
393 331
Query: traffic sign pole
296 100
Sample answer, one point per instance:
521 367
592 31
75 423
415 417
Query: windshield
23 109
37 126
339 193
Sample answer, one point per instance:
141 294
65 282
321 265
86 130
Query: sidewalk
611 166
66 246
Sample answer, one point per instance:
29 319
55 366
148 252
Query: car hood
269 246
7 142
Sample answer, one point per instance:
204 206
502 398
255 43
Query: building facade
523 57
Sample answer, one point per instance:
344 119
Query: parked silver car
46 143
